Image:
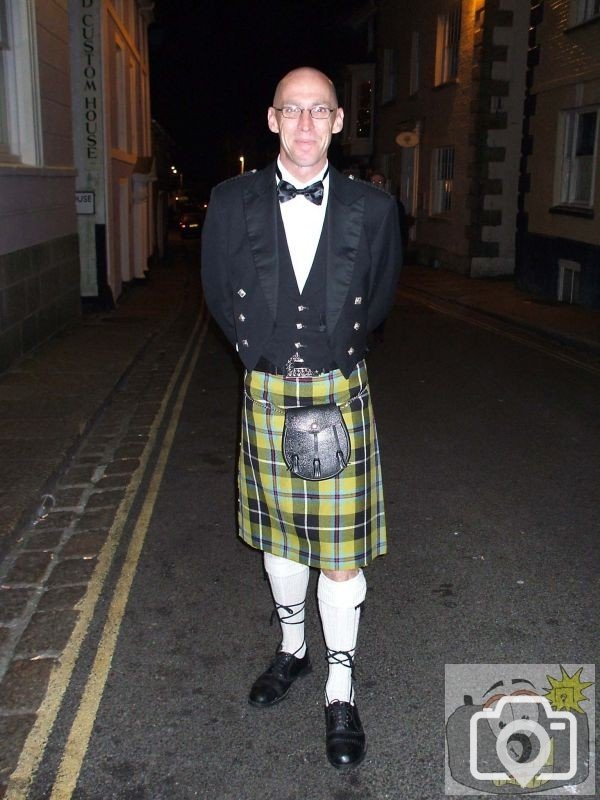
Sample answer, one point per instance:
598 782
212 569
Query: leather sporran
316 445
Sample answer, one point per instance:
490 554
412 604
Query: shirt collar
286 176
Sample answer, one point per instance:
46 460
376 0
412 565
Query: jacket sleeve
386 253
216 280
386 263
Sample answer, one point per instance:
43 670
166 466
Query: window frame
19 85
447 48
414 77
584 10
442 180
121 88
570 171
389 78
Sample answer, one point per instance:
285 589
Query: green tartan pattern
338 523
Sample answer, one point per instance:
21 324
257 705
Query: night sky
214 66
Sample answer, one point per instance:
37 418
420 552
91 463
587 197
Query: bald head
302 75
304 139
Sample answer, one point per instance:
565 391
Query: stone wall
39 295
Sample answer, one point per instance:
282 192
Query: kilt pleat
338 523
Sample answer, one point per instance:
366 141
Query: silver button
357 301
302 308
350 351
356 326
242 318
241 293
245 342
299 325
298 345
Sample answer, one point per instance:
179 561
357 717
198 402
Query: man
299 263
378 179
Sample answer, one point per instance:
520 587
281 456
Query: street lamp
178 174
242 165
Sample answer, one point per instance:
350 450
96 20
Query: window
584 10
413 81
133 107
568 281
447 47
442 179
4 55
389 77
122 116
363 110
20 128
580 131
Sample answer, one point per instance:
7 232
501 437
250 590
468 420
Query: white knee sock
289 582
339 603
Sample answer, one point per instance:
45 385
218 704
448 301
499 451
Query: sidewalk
48 401
499 298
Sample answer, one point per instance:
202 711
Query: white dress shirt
303 223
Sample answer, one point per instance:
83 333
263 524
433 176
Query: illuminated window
585 9
389 77
447 46
20 128
442 173
579 156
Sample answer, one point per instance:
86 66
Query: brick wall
564 74
567 76
478 114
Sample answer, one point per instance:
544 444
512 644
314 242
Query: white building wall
37 191
39 265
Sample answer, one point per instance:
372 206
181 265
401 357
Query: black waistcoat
300 322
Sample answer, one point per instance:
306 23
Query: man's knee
340 574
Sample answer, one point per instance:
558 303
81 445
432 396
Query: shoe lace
346 659
343 657
280 664
340 713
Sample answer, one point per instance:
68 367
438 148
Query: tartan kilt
335 524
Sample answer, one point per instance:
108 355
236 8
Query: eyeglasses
295 112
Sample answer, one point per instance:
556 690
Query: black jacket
240 262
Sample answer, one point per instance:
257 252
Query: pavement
78 418
50 399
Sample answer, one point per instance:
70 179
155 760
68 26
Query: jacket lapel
345 215
261 209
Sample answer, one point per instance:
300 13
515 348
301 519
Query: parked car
190 224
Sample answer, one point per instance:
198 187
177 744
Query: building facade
448 120
559 220
76 214
39 258
112 141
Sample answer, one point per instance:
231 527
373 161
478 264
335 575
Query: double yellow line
81 730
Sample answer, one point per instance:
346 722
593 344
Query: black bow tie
287 191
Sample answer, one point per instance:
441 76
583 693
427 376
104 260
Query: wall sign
85 202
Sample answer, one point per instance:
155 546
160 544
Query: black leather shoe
274 683
345 740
